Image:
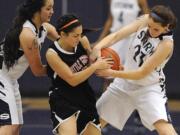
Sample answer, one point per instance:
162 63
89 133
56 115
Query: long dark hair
26 11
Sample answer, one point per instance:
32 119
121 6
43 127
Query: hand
96 53
103 63
108 73
121 67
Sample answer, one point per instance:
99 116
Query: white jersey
123 12
22 64
139 51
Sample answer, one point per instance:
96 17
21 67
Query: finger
108 59
110 62
121 67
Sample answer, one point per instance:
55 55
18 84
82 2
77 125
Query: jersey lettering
139 55
142 49
80 64
121 17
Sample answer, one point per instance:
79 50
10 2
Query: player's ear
63 34
167 28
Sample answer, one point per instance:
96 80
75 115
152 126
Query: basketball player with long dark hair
20 49
72 100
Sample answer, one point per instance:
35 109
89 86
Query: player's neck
36 20
64 46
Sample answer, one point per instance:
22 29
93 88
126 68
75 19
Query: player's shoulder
27 34
143 20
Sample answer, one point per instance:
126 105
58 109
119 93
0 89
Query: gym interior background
93 14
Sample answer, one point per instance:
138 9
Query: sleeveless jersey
139 51
22 64
123 13
77 62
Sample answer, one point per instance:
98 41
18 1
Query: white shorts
10 102
116 106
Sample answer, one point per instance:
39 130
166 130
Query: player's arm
144 6
163 51
86 45
119 35
107 25
64 71
51 31
29 44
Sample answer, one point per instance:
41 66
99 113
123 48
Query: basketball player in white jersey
19 50
121 13
141 86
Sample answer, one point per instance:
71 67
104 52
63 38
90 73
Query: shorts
116 106
10 102
62 110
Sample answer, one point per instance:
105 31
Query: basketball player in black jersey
72 100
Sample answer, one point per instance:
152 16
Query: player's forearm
106 30
106 42
81 76
39 71
131 74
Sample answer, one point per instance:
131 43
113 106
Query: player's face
74 37
156 29
47 11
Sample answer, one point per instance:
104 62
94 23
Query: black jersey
77 61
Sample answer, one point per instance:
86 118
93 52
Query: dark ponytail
26 11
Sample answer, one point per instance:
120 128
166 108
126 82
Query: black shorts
62 109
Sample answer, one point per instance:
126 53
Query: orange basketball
110 53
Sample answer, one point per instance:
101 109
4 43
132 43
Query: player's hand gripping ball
110 53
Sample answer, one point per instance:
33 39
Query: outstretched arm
122 33
107 25
162 52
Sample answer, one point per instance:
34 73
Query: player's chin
153 35
48 19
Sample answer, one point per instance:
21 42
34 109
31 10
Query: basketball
110 53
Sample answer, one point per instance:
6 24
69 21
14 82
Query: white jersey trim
62 50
